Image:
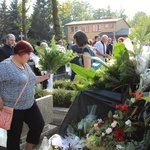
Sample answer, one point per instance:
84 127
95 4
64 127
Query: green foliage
62 84
15 18
39 92
62 97
83 72
84 78
121 73
54 58
41 20
141 31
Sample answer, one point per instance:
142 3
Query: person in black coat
7 50
109 49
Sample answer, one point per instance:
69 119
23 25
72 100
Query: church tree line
49 17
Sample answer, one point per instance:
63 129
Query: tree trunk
24 19
58 34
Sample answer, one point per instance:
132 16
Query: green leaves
147 98
53 58
83 72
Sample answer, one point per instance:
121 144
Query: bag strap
23 87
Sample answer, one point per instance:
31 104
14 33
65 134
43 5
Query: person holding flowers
14 74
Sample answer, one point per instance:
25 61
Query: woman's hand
1 103
42 78
47 75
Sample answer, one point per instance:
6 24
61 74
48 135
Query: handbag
6 114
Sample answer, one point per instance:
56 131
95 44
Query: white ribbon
50 83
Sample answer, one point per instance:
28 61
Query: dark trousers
33 118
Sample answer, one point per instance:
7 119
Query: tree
15 18
58 33
74 11
4 20
64 15
25 20
141 31
98 13
40 25
107 13
134 21
81 10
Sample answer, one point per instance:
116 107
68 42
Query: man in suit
7 50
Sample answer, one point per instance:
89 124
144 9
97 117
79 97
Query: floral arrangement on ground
128 126
117 131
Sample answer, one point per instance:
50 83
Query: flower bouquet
111 132
52 59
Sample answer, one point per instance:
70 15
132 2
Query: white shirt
99 47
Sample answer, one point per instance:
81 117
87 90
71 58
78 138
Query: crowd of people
15 72
100 47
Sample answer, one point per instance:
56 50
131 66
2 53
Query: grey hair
104 36
8 35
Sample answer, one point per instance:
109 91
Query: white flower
115 116
119 147
96 124
114 124
128 122
109 130
100 120
103 134
132 100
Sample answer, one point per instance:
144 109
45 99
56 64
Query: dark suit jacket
5 52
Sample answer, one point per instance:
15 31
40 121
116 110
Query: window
111 25
96 28
74 29
85 28
106 26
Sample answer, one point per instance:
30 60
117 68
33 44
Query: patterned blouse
12 81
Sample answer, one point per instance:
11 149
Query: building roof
122 32
93 21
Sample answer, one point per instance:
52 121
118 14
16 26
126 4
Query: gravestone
21 36
45 105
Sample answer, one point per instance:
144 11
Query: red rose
100 124
118 135
111 119
122 107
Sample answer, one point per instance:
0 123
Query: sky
131 6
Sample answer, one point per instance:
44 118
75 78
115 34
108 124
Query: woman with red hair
120 39
14 74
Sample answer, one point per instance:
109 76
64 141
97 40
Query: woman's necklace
19 65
